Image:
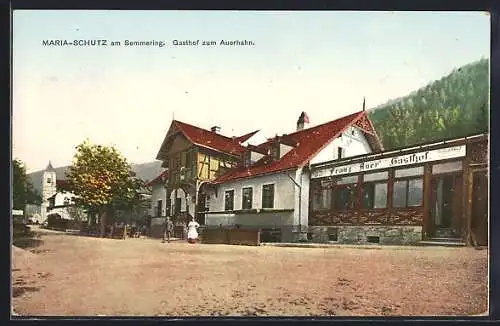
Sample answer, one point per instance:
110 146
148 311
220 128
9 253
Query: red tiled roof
308 142
158 178
212 140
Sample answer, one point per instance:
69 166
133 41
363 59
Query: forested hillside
454 106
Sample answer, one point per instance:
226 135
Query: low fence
233 236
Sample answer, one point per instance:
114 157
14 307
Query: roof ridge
325 123
193 126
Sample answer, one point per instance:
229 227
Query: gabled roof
164 174
246 137
209 139
307 143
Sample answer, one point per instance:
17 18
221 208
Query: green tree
453 106
102 181
22 189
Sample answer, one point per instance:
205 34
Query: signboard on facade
389 162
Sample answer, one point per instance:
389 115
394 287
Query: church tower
48 187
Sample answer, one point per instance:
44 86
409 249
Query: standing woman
193 231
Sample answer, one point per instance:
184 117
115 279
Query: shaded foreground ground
72 275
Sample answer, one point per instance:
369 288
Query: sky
322 63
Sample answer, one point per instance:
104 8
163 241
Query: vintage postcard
250 163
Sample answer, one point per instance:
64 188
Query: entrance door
446 208
479 209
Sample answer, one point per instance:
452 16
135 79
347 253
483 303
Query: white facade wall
352 144
284 193
158 192
62 196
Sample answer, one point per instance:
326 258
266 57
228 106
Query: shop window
229 200
344 193
376 176
447 167
344 197
322 199
375 195
404 173
347 180
407 193
399 193
415 192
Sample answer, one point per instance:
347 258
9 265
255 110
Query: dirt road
71 275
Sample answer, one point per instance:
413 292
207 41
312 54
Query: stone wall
350 234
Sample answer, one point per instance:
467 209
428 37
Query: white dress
192 230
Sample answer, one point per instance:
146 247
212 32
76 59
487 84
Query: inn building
426 193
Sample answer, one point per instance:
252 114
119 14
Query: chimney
275 148
215 129
303 120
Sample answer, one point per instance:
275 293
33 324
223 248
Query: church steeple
49 167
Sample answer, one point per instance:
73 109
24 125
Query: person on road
168 228
193 231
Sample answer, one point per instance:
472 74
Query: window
347 180
158 207
340 152
229 200
375 193
183 158
66 201
268 196
167 207
408 192
403 173
447 167
372 239
49 180
247 196
399 193
333 234
344 197
177 206
322 199
415 192
344 192
189 158
376 176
